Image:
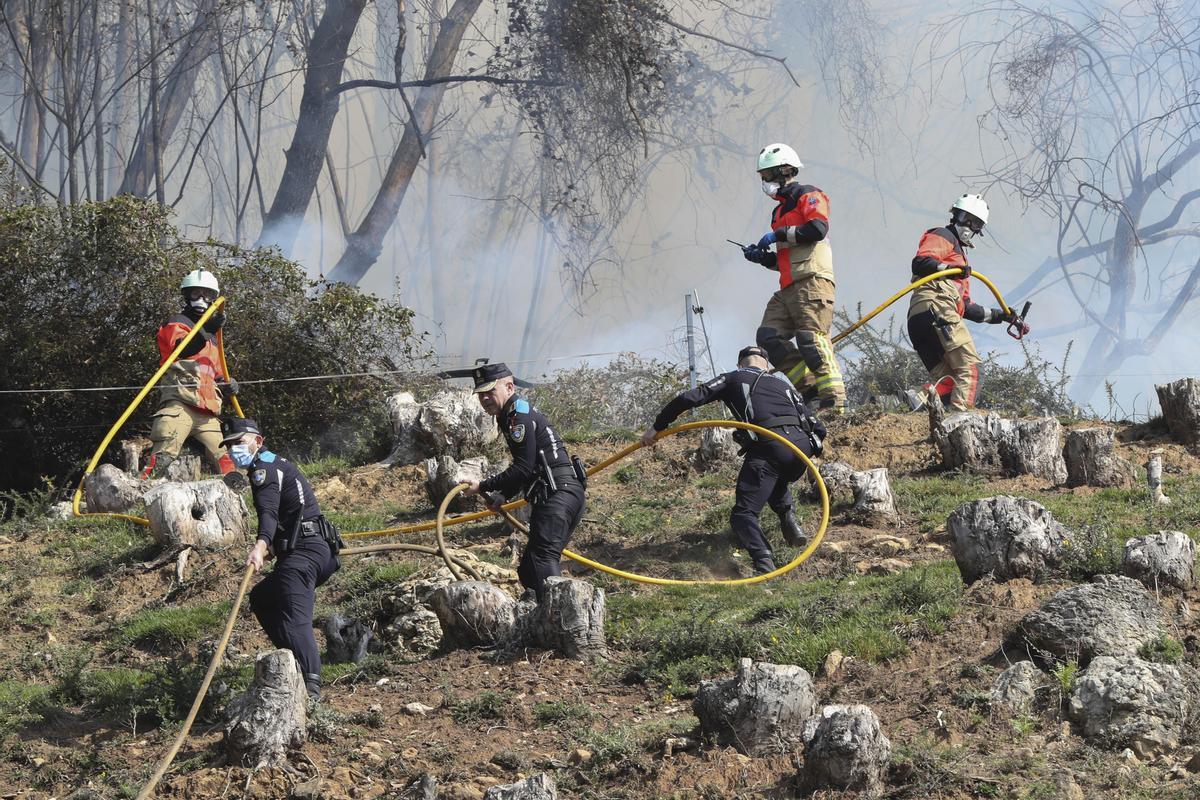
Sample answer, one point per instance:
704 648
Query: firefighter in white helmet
795 326
193 387
936 310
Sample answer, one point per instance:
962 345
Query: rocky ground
105 646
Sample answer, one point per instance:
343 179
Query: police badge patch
258 477
517 433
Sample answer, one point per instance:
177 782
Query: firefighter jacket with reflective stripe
526 432
948 298
191 379
801 223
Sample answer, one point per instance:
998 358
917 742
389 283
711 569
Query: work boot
764 564
312 682
793 534
914 400
160 464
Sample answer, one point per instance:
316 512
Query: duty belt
311 527
779 422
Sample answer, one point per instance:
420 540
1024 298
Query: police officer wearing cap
550 479
291 527
768 400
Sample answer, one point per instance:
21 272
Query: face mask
243 454
965 235
770 188
198 304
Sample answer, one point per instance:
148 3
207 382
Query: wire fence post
691 341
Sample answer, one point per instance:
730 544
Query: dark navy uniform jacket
751 395
526 431
282 496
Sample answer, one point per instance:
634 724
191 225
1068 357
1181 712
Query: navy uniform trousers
284 600
551 522
767 472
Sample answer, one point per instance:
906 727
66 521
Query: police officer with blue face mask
305 544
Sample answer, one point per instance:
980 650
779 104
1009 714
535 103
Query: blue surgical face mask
243 454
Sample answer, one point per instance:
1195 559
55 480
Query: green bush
86 288
164 626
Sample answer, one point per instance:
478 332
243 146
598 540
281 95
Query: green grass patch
22 703
487 705
678 636
557 712
931 499
1164 650
362 586
324 467
180 625
95 547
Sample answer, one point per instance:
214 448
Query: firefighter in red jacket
802 309
936 310
191 391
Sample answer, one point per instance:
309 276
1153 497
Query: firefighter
936 310
305 545
541 469
768 400
802 310
192 389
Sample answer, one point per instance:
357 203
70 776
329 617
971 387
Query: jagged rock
346 639
1005 537
1163 560
403 410
1091 460
1154 479
1016 688
759 710
108 489
1180 402
873 496
845 748
1113 615
537 787
474 614
61 511
837 477
271 718
453 423
569 620
1127 702
717 448
202 514
418 631
992 444
444 473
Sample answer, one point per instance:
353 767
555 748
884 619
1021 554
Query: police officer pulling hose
305 544
768 400
541 469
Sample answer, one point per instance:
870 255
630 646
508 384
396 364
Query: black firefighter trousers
551 523
767 473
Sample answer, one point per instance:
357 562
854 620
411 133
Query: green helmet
200 279
778 155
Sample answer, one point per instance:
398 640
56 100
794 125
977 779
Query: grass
177 625
362 586
487 705
556 712
22 703
679 636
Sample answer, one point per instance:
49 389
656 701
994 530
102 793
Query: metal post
691 340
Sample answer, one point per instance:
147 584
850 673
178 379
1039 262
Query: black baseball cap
234 428
487 375
752 350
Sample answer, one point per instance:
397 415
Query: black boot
793 534
764 564
312 682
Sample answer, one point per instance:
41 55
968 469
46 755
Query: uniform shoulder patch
517 433
521 406
258 477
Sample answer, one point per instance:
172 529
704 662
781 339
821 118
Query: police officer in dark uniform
541 469
768 400
290 526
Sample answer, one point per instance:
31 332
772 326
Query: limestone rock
453 423
760 710
444 473
271 718
1113 615
717 448
1165 560
1016 688
838 479
206 514
417 631
569 620
1091 460
1127 702
403 410
537 787
108 489
992 444
873 496
1180 402
474 614
845 748
346 639
1005 537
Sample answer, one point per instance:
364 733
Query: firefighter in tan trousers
937 310
795 326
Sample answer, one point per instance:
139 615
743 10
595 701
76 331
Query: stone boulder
450 423
1015 689
1092 461
444 473
1005 537
716 449
1180 402
838 478
1113 615
474 614
403 410
760 710
1127 702
1164 560
569 620
873 498
109 490
537 787
845 748
991 444
271 718
206 514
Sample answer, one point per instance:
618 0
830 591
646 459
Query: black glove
966 272
996 316
215 322
228 388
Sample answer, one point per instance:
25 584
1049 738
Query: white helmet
200 279
778 155
972 204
